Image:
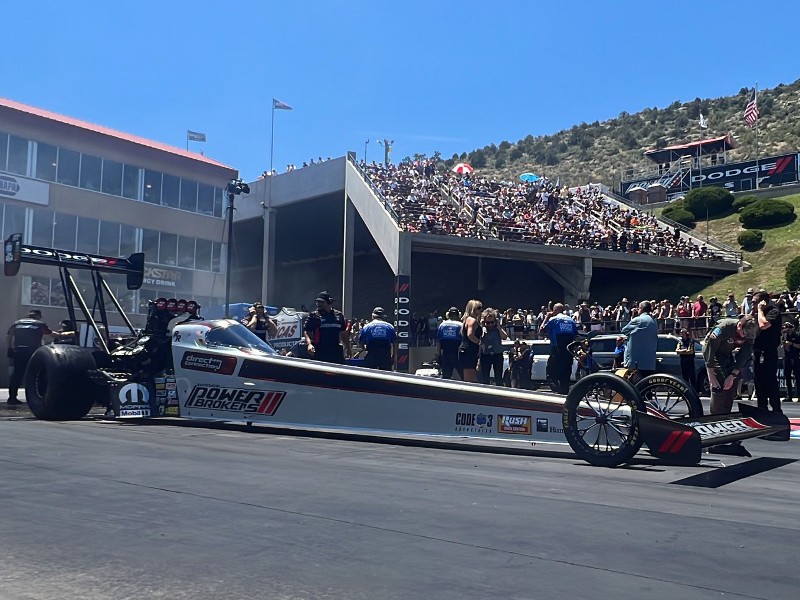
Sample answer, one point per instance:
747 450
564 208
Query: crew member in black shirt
791 359
23 338
765 352
326 332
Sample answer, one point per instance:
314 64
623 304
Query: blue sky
446 76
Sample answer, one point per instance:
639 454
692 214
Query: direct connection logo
514 424
210 363
211 397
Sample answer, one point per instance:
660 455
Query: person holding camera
519 359
491 358
260 323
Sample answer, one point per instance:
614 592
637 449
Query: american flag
750 115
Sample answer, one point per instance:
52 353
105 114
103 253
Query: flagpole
755 99
187 140
272 138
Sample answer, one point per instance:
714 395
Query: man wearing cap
380 340
623 314
325 332
23 338
448 339
765 352
619 353
746 307
791 359
731 307
727 349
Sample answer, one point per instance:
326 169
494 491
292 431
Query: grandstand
362 231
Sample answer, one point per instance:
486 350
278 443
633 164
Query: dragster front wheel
600 420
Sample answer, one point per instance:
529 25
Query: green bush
767 212
742 201
682 216
793 274
751 239
718 200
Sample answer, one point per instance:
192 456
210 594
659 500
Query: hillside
598 151
782 244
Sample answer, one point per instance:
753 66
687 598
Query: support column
268 258
347 257
575 279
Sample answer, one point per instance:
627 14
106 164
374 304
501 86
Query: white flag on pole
703 122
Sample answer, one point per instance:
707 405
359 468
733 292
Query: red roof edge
134 139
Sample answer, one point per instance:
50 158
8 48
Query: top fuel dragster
182 365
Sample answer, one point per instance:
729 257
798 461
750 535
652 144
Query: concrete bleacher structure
330 224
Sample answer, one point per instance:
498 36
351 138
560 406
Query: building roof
127 137
708 146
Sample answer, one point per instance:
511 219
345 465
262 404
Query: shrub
767 212
682 216
742 201
718 200
793 274
751 239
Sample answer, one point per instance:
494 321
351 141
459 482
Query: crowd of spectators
696 315
292 167
541 212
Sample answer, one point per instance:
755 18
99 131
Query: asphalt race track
97 509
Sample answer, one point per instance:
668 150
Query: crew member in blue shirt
380 339
562 331
448 339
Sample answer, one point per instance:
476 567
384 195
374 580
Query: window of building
150 245
13 220
39 291
130 182
91 172
3 151
152 187
64 231
189 195
109 238
145 297
69 164
186 251
168 249
112 177
17 155
216 252
205 199
87 235
218 201
42 227
46 161
171 191
202 255
127 240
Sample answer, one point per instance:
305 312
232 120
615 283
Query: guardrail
375 190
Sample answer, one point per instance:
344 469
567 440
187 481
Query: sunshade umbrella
529 177
463 168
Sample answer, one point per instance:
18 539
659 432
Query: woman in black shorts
471 332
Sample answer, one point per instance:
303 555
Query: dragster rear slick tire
670 395
57 384
600 420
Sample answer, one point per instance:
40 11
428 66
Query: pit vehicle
182 365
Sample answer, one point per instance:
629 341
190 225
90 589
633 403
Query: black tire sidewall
678 385
621 455
57 384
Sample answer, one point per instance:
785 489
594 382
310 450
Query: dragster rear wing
681 441
15 252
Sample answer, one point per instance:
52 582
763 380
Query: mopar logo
8 186
134 393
